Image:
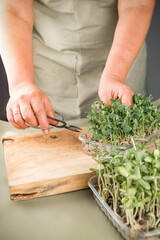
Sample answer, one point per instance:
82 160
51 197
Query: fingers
107 101
49 111
40 112
105 97
28 104
34 112
18 119
28 114
11 119
116 90
126 98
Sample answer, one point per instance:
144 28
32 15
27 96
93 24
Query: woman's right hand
26 101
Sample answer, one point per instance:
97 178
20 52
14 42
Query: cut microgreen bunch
129 181
118 123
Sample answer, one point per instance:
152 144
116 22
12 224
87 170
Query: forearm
131 30
16 46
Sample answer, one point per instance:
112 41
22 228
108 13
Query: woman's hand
114 88
26 101
133 23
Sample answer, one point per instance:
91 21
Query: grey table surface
67 216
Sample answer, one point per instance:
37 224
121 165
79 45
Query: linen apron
72 39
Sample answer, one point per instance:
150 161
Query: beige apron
72 39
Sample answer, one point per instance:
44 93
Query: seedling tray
126 232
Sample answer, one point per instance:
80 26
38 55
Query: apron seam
77 72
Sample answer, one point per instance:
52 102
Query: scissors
61 124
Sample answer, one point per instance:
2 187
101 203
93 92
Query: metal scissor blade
64 124
73 128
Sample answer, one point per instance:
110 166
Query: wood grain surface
40 165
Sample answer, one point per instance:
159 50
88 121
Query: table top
67 216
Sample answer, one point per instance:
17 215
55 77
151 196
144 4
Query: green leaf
125 199
148 159
139 146
94 170
131 191
149 178
128 166
123 171
101 161
114 152
147 199
134 205
144 169
157 164
133 177
148 192
137 172
108 176
107 132
126 128
144 184
112 100
139 155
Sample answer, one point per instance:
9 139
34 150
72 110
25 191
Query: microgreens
130 183
118 123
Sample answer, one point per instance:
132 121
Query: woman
81 48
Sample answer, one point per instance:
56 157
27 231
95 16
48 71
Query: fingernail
55 122
46 131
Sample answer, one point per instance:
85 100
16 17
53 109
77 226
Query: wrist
18 85
118 64
108 76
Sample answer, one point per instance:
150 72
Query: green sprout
129 181
115 125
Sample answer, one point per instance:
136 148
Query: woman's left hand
111 87
127 42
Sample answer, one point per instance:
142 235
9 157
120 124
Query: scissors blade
73 128
64 124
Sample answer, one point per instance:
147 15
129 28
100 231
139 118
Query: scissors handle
62 123
51 125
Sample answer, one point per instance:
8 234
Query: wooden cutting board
40 165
